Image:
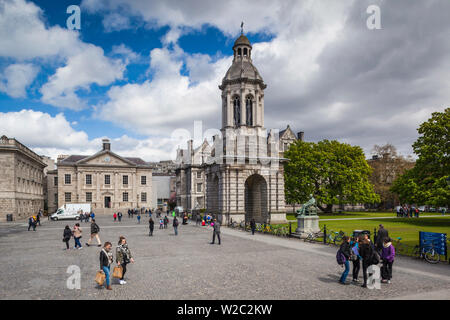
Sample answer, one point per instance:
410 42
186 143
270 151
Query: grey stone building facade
242 172
22 180
106 180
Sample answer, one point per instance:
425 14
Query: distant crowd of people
407 211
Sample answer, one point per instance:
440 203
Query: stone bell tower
242 101
243 180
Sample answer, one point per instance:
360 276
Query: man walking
31 224
151 226
95 229
119 216
175 225
216 231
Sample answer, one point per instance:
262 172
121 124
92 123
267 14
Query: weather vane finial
242 27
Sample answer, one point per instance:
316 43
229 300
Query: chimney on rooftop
300 135
106 144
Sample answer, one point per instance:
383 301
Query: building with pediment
107 181
241 175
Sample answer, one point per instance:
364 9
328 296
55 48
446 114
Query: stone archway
256 199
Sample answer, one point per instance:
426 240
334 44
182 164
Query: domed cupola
242 68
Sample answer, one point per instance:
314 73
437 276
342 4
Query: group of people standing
86 216
361 250
407 211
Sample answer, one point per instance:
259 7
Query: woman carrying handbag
123 257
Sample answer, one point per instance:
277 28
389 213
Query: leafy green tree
426 182
334 172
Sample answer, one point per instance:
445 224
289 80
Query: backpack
340 258
375 257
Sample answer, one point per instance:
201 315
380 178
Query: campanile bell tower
242 90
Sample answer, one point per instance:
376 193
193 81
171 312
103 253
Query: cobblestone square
34 266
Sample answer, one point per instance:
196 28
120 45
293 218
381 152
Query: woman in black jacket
253 226
366 252
106 258
67 234
345 249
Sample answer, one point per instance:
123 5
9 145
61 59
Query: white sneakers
122 282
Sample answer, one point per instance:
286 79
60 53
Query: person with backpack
345 257
31 224
166 222
387 256
151 225
123 257
175 225
67 234
106 258
77 236
95 229
161 223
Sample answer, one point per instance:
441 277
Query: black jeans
386 270
365 265
214 236
151 232
356 268
67 243
124 269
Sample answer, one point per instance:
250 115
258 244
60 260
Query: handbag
117 272
100 277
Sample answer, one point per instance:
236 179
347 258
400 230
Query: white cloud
52 136
16 78
24 36
170 100
83 69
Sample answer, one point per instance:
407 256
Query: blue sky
138 71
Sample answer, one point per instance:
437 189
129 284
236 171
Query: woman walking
67 234
345 250
106 258
123 257
77 236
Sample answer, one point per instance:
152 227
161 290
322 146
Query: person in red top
115 216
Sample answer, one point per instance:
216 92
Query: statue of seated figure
308 208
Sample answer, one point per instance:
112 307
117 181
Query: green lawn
348 214
406 228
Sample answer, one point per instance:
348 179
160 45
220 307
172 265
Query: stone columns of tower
229 107
243 111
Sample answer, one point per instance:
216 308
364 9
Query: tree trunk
327 209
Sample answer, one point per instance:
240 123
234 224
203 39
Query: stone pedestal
307 224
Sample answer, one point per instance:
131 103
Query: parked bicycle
428 253
313 236
334 237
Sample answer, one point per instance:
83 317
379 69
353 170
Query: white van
71 211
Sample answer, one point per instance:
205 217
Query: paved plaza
34 266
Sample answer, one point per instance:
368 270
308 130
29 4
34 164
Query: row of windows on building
27 171
125 197
88 180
